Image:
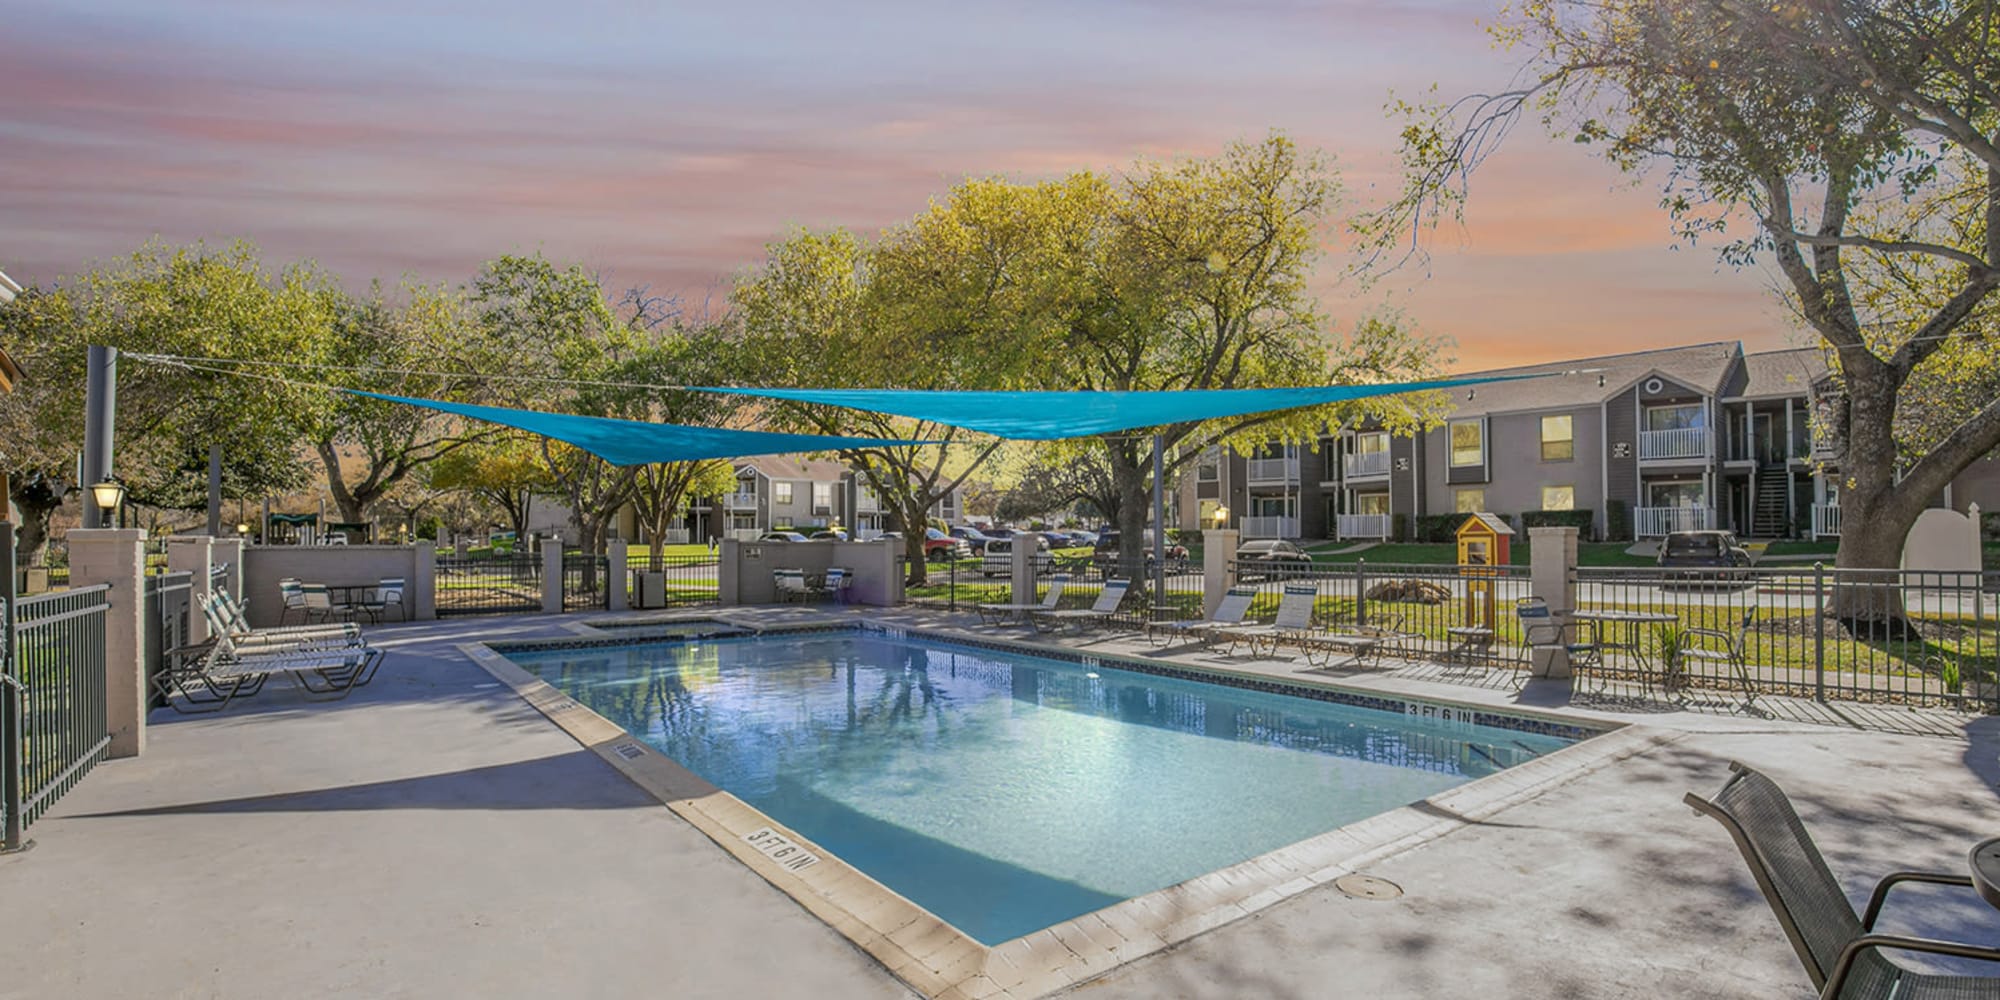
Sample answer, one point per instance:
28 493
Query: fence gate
53 727
489 585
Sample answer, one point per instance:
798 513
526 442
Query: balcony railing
1684 442
867 503
1270 527
1653 522
1825 521
1368 463
1273 470
1362 526
740 501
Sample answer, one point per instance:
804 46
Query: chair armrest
1881 893
1893 942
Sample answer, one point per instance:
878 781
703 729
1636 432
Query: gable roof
795 467
1594 380
1770 374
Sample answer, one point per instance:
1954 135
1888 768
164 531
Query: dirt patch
1409 592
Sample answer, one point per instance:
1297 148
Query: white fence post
117 556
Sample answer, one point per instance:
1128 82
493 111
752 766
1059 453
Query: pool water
1006 792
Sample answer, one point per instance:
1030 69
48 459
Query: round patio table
1625 636
1985 861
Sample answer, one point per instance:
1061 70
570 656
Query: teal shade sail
1051 416
636 442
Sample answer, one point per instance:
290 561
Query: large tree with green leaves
1855 144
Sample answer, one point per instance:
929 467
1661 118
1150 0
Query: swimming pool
1006 792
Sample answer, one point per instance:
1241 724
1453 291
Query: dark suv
1271 559
1714 550
1105 556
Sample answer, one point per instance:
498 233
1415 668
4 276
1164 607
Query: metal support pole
1360 593
215 491
10 701
1819 632
99 415
1159 527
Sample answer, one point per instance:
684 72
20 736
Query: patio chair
319 604
1105 608
292 597
1710 645
1235 604
1542 631
996 614
1844 955
791 585
376 601
839 580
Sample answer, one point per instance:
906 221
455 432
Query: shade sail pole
1159 527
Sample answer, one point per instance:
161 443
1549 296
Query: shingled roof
793 467
1770 374
1594 380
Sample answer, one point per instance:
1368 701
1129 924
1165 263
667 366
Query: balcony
1362 526
867 503
1367 463
1272 470
1680 443
1270 527
740 501
1652 522
1825 520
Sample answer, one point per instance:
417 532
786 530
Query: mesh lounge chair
1235 604
995 614
1099 613
1294 626
1843 954
210 681
224 618
1295 615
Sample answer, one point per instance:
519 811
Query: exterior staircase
1767 513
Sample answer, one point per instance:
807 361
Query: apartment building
1702 436
786 492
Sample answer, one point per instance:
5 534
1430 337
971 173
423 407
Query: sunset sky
665 144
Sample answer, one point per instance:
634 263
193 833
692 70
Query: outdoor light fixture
242 529
108 495
1221 515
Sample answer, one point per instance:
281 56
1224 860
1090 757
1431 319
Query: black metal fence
489 585
169 615
673 581
54 727
1888 636
586 582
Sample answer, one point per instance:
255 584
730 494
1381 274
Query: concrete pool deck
436 836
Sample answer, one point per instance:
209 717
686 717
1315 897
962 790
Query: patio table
1619 631
1984 859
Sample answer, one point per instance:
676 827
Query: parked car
781 536
998 531
1716 550
1271 559
999 559
830 535
973 538
1084 539
1105 554
1063 539
940 547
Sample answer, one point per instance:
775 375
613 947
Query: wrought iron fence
1418 603
673 581
169 614
966 584
489 585
586 582
54 727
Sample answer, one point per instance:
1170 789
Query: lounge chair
1235 604
1843 954
995 614
231 618
1294 626
1099 613
210 681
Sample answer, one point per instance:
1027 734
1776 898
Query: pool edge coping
938 960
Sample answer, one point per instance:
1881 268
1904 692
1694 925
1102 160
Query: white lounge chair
1106 607
1235 604
994 614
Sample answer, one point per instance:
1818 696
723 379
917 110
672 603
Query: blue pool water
1006 792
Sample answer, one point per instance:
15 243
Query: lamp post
109 495
1221 516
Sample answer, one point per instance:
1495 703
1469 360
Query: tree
367 447
1860 141
671 354
505 471
1059 478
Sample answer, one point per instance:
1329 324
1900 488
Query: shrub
1399 527
1618 520
1583 521
1439 527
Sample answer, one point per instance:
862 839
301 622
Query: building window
1686 416
1687 493
822 498
1468 443
1470 501
1371 503
1372 443
1208 468
1558 440
781 493
1558 498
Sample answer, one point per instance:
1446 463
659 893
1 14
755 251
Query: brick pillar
1552 577
117 556
1218 566
195 556
552 595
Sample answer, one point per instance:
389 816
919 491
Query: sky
665 144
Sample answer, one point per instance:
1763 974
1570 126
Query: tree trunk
353 509
1876 515
1129 477
34 536
915 523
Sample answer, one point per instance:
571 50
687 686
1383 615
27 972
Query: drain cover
1367 887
